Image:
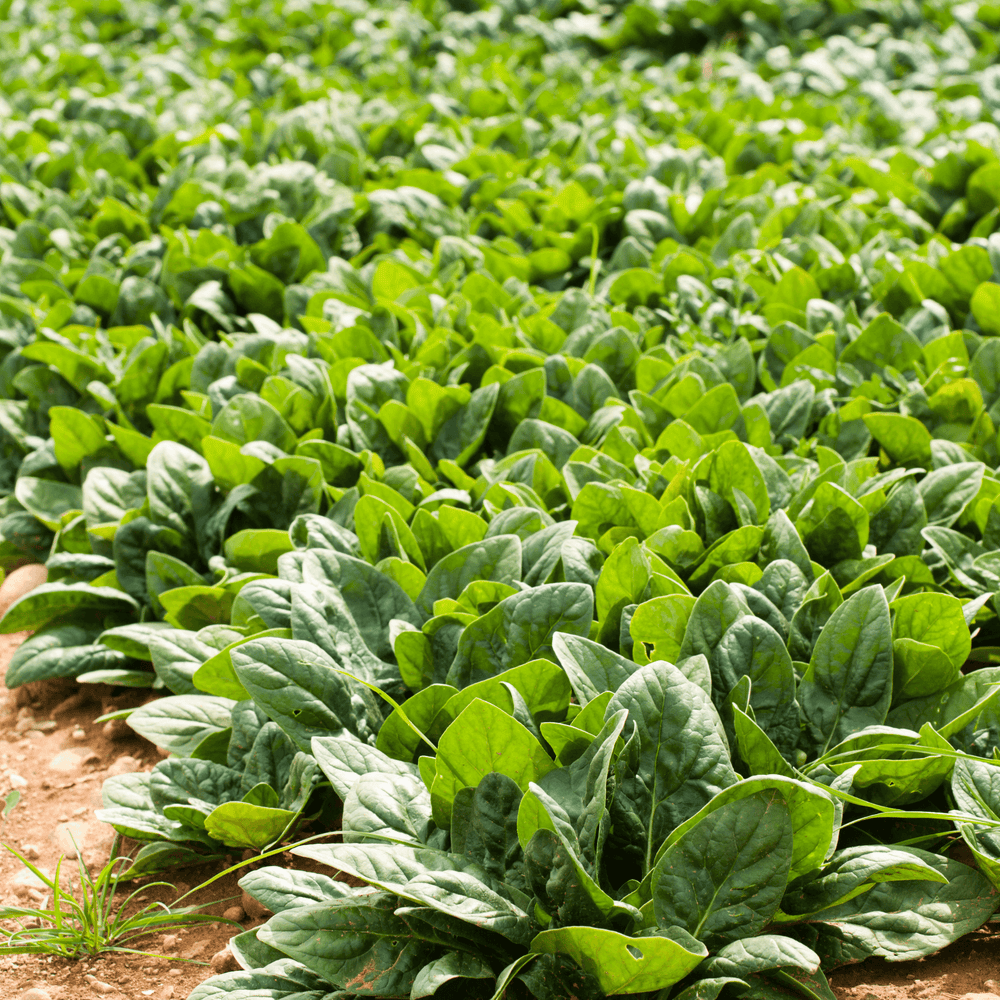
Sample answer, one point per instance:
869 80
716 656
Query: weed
72 927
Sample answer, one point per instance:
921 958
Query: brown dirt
970 968
44 721
53 723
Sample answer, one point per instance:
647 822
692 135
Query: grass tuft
92 923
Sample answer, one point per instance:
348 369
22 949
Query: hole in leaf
634 952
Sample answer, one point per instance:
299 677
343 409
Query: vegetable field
551 447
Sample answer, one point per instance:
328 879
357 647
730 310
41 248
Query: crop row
553 447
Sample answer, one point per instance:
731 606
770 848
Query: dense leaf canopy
552 444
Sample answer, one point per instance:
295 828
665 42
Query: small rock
124 765
27 879
196 949
169 942
25 713
24 725
71 837
166 992
30 852
96 984
73 701
979 996
79 734
32 923
36 734
35 993
117 729
236 913
16 781
252 908
81 811
71 761
224 961
19 582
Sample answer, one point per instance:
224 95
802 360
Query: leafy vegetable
473 431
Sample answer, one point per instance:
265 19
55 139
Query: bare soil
58 761
52 751
57 757
968 969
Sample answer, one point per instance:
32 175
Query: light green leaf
623 964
